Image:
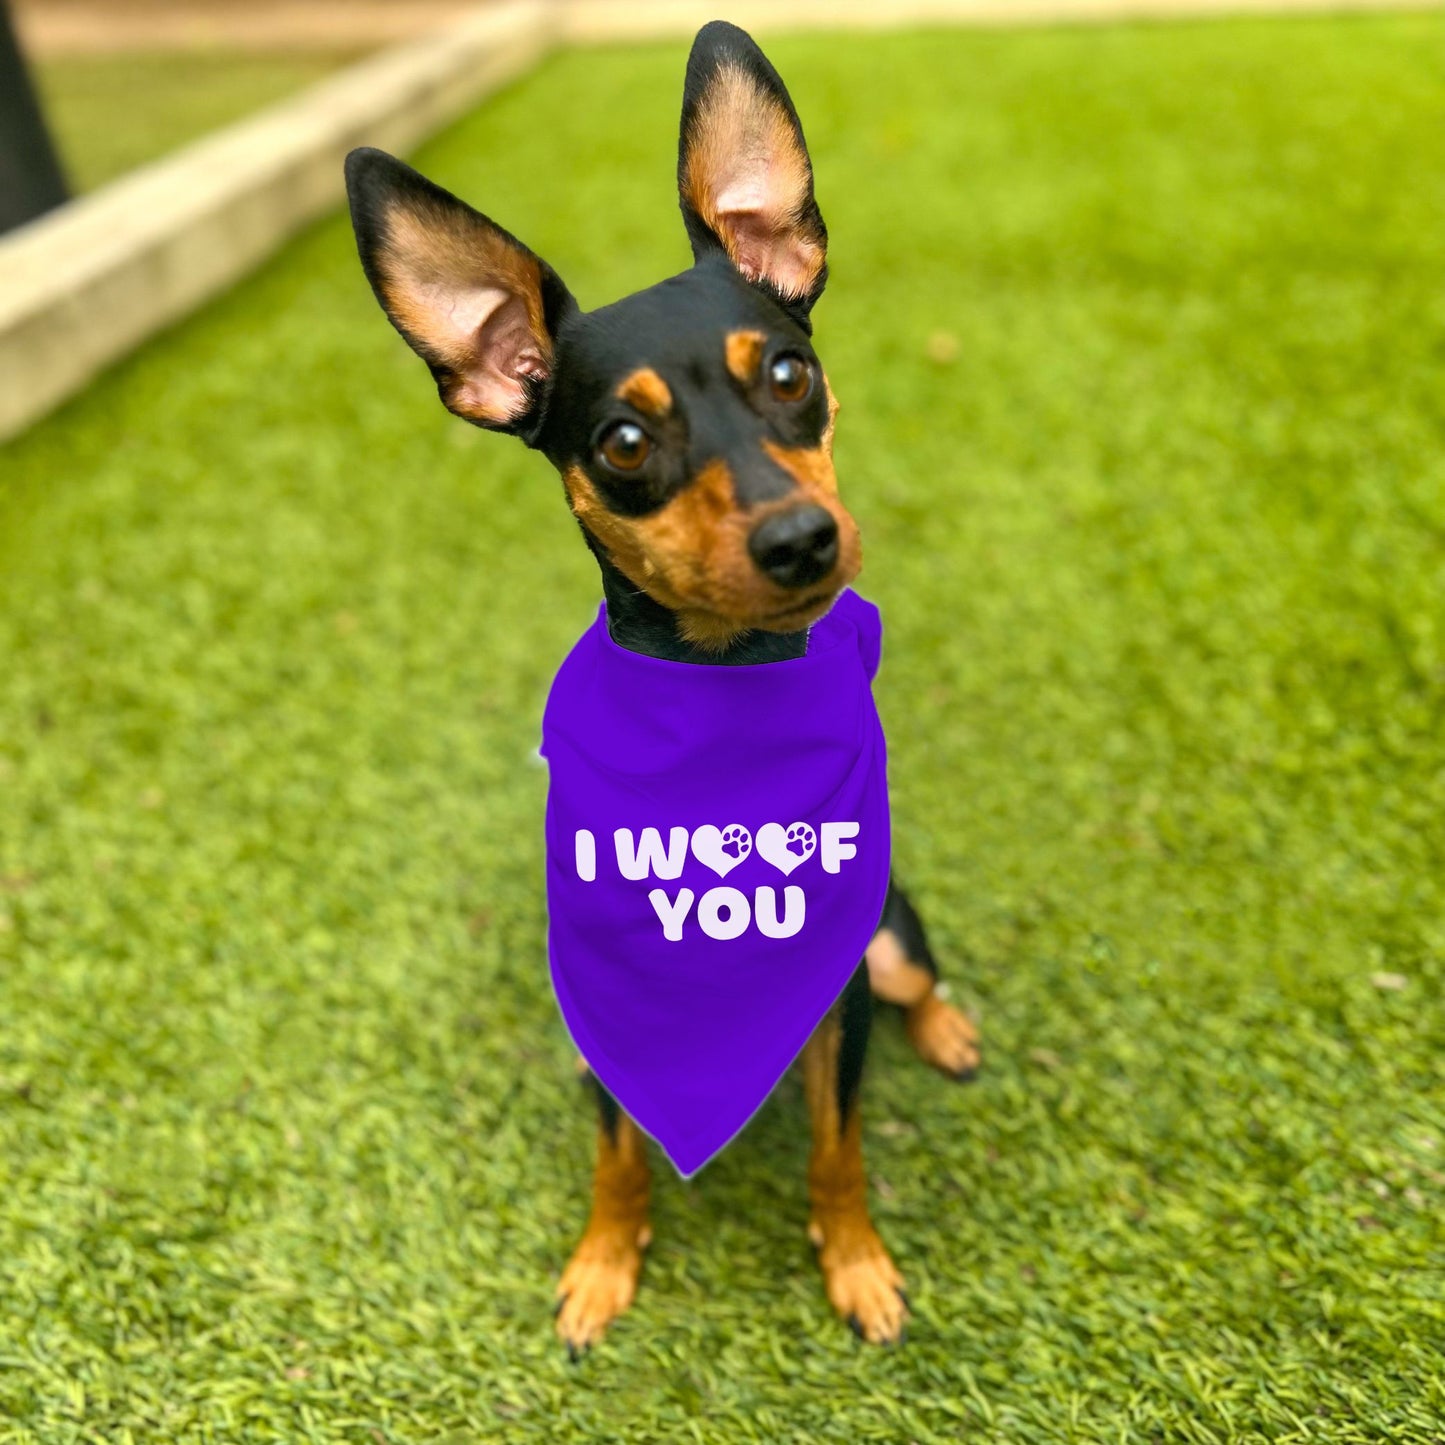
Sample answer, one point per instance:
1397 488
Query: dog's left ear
744 177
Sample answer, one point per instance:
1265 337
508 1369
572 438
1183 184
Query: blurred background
124 81
1138 328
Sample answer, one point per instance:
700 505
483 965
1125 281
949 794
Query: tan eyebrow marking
647 391
744 350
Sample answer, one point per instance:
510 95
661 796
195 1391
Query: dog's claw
855 1325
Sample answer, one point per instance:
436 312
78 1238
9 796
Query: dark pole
31 181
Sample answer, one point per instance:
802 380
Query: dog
692 426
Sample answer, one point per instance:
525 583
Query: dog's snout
796 547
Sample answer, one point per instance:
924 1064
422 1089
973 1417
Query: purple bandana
717 858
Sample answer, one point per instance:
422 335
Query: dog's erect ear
743 173
473 302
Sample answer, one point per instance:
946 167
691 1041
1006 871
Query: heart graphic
721 849
786 847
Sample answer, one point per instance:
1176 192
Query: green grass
111 113
292 1146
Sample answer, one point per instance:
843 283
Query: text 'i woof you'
723 912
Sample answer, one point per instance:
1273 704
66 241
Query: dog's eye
624 447
790 377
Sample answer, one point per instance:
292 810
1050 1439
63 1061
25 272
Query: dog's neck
640 624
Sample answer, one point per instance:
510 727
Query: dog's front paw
943 1036
598 1284
862 1282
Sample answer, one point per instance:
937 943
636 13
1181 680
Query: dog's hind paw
943 1036
598 1283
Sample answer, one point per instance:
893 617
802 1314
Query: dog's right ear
471 300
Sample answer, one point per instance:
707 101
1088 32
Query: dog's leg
862 1283
601 1277
901 970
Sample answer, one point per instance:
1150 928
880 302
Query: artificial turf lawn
293 1149
110 113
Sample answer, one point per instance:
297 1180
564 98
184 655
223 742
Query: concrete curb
87 283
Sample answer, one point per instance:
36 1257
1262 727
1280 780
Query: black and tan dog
692 425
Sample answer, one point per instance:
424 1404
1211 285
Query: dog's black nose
796 547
